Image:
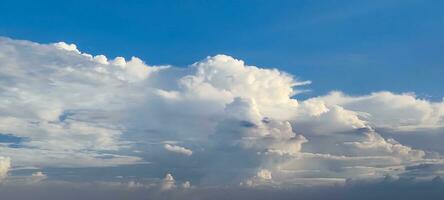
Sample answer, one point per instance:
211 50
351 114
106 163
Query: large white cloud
239 123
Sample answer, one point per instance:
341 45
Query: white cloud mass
243 123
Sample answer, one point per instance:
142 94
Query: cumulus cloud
168 183
178 149
395 111
5 165
38 176
240 123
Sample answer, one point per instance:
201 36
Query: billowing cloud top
216 122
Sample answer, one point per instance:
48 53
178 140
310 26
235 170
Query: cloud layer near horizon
231 122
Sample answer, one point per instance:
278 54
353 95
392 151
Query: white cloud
315 117
67 47
186 185
389 110
178 149
38 176
262 177
168 183
264 174
5 165
72 109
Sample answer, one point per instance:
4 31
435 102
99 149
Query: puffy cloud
264 174
67 47
243 123
168 183
389 110
316 117
38 176
263 177
377 145
186 185
245 126
178 149
5 165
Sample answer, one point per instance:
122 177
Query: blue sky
372 45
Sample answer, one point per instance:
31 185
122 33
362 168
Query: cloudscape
82 125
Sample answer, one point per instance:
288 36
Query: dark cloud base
380 190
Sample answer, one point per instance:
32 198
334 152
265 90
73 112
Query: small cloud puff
178 149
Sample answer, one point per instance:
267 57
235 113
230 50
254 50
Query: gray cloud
386 188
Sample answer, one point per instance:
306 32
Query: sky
200 99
